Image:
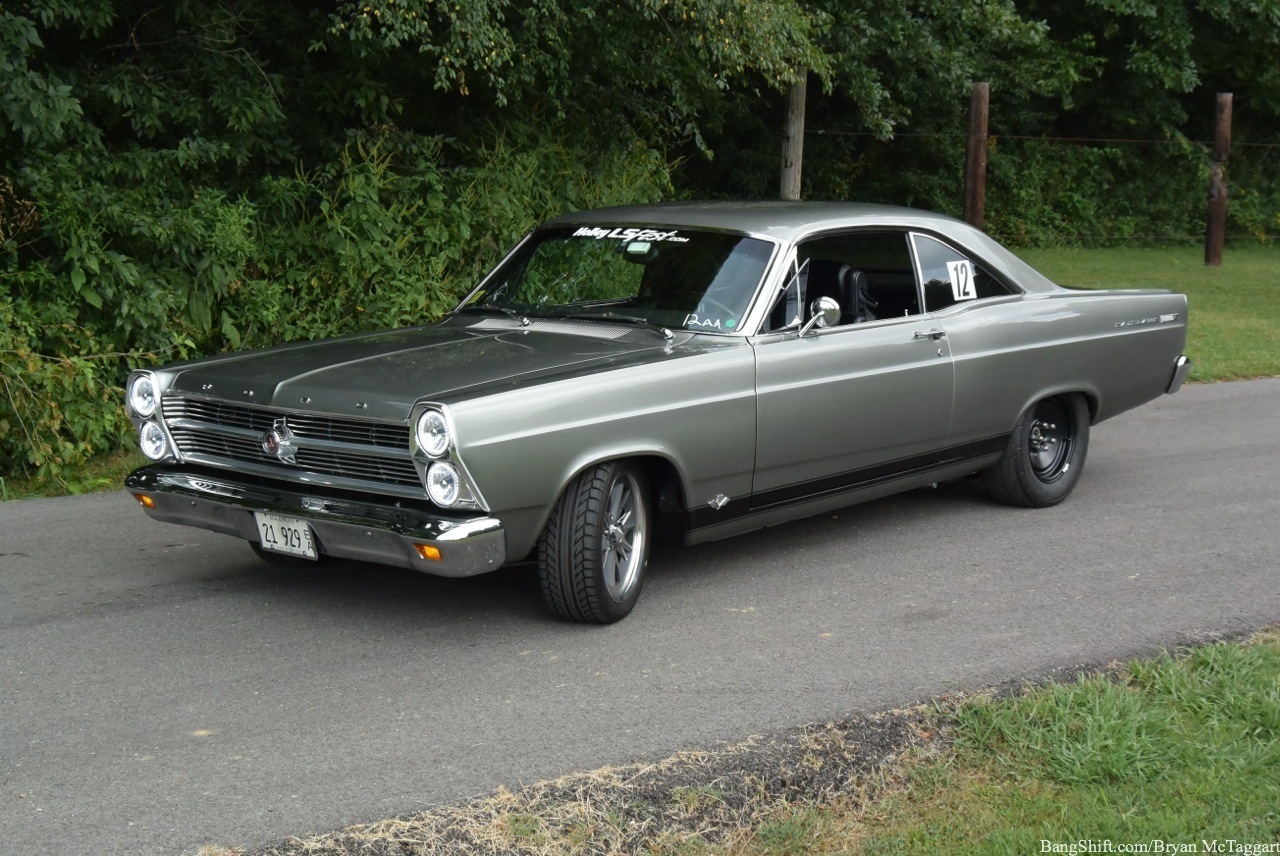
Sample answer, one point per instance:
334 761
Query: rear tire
1045 454
593 553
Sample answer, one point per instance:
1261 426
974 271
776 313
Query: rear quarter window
949 277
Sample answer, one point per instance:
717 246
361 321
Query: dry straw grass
687 803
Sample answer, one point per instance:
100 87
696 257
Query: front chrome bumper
1181 367
385 532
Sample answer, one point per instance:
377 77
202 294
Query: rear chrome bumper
387 532
1181 367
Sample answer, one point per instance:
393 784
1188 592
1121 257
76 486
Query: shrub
112 274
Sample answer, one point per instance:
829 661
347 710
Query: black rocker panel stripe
700 518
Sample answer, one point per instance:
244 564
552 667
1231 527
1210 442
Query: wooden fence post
1216 228
975 159
793 138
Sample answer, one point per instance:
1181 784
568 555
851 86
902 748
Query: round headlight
443 482
151 439
433 433
142 396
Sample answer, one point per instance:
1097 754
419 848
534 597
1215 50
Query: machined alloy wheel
593 552
622 544
1045 454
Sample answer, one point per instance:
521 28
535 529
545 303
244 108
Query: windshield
675 278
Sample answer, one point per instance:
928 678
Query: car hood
381 375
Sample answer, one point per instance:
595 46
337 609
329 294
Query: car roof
776 219
788 222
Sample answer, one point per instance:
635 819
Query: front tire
1045 454
593 553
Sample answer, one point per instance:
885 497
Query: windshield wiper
501 310
629 319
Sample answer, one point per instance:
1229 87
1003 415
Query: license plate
288 535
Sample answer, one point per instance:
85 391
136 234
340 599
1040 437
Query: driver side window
869 273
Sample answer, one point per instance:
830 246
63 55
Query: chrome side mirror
823 312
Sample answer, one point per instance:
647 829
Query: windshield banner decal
603 233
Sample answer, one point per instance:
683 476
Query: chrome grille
307 425
218 413
359 466
349 452
195 440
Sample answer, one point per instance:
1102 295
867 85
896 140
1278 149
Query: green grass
1176 749
1234 310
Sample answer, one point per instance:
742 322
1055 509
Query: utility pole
975 159
793 137
1216 228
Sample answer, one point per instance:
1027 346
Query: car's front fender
695 410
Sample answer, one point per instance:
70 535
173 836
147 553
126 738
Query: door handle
934 334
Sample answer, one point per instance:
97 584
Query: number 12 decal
961 275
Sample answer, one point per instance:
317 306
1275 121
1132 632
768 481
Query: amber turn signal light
144 500
428 552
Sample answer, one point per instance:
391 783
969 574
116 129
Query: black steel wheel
595 548
1045 455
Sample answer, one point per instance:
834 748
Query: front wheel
1045 455
593 553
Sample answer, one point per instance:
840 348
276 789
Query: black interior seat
856 303
845 285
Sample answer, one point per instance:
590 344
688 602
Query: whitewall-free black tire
595 548
1045 454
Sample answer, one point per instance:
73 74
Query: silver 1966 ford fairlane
714 367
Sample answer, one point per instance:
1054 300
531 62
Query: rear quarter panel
1111 345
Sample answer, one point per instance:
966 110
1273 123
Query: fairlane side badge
279 442
1156 319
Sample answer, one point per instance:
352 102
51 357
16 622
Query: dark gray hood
381 375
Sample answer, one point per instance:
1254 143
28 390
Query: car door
991 335
857 403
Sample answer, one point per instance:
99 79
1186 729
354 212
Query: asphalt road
161 689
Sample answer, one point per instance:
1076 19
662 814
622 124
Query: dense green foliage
1062 74
178 179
